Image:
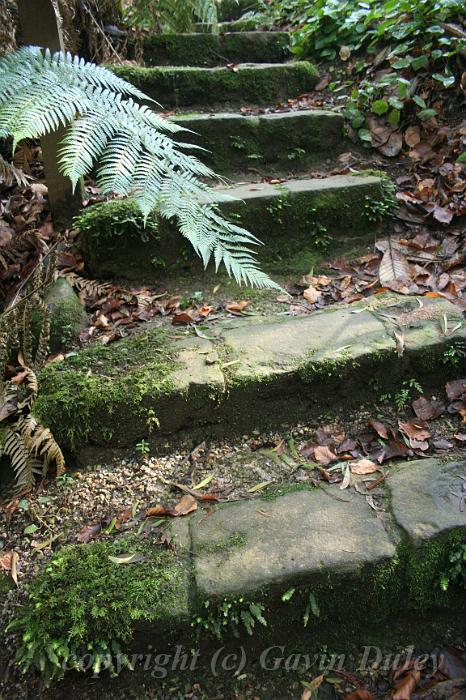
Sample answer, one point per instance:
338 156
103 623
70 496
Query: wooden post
41 27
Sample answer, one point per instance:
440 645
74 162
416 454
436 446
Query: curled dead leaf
237 307
364 466
312 295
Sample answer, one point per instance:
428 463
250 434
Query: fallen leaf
406 687
393 268
426 409
259 487
127 558
455 389
364 466
359 694
414 430
187 504
236 306
311 294
412 136
156 512
182 318
379 428
311 687
88 533
324 455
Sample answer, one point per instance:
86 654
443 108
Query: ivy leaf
427 113
419 101
401 63
380 107
419 62
394 116
446 80
365 135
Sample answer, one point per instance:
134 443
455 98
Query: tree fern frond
40 91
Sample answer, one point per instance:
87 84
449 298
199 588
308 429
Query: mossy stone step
216 49
233 9
359 566
301 222
300 570
246 83
288 142
267 368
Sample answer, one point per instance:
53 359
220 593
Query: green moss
224 545
235 142
83 389
425 563
186 85
115 219
323 368
85 604
203 49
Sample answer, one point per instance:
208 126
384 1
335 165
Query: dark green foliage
83 606
413 35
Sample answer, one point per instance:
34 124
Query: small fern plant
30 446
170 15
40 91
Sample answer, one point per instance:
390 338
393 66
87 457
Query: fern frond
40 91
41 444
23 466
9 174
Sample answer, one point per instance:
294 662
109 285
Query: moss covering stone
84 605
67 315
317 219
189 86
99 393
215 49
288 143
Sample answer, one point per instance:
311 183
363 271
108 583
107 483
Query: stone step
265 371
245 83
309 568
287 142
301 222
216 49
233 9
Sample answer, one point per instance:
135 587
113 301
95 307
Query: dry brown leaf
237 306
364 466
156 512
412 136
406 687
88 533
324 455
393 268
311 294
183 318
187 504
379 428
359 694
312 686
427 409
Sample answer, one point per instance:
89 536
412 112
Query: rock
425 497
67 315
256 544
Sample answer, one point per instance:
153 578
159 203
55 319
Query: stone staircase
244 374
